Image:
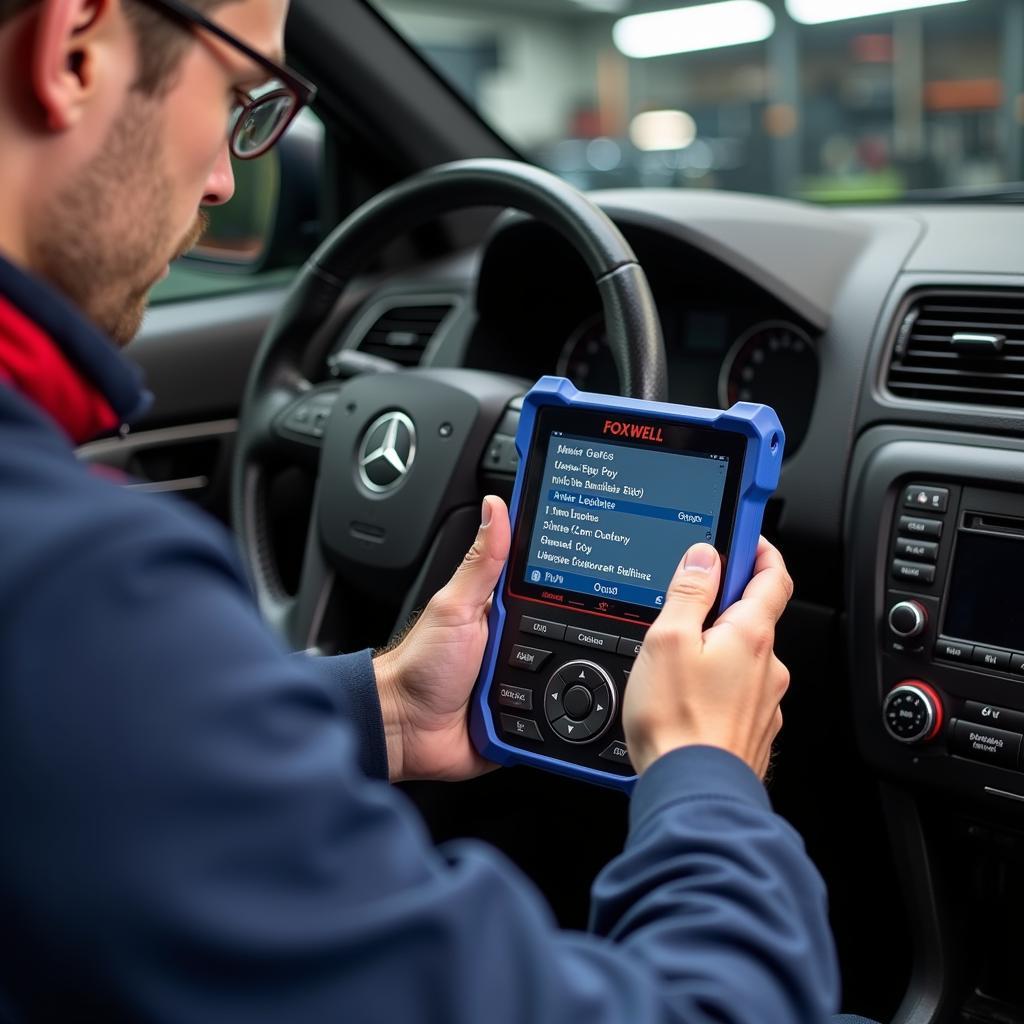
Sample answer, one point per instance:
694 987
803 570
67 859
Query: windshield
776 97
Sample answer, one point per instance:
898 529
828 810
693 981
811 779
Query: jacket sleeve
351 681
188 837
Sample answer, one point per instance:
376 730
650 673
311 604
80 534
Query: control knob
912 712
908 619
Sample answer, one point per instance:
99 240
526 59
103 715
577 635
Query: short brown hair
162 42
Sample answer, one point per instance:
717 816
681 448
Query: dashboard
891 342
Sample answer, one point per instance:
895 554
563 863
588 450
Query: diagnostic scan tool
610 493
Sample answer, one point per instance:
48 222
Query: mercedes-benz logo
387 452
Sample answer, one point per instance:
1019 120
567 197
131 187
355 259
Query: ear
63 61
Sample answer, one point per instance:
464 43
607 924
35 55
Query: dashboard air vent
402 333
962 347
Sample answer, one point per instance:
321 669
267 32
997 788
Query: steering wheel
397 496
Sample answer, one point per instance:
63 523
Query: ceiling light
655 130
816 12
687 29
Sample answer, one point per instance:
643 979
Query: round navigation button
577 702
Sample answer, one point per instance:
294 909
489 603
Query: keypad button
616 752
985 743
541 627
630 648
590 638
913 572
932 499
525 728
515 697
914 526
951 650
527 658
921 550
990 658
988 714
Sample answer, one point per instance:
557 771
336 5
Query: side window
266 230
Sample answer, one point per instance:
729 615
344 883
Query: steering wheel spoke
307 625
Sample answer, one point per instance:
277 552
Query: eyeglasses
259 120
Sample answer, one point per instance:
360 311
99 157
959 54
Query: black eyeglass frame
301 91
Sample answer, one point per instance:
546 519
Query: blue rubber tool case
758 480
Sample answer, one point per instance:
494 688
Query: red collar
31 361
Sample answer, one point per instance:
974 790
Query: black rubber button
577 702
541 627
527 658
616 752
526 728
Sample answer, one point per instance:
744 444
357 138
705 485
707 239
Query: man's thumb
694 587
477 576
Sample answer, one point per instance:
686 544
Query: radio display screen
984 605
611 505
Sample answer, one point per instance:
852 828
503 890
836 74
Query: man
196 825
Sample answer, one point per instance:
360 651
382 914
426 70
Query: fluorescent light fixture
816 12
687 29
655 130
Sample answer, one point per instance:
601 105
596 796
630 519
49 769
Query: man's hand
425 681
719 687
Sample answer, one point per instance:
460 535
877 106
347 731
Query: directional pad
579 701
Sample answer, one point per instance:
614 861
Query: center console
938 626
935 559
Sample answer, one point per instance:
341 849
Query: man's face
108 235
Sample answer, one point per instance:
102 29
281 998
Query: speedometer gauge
587 360
773 363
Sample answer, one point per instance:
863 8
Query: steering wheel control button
912 526
908 619
524 728
952 650
571 730
1017 664
931 499
986 743
922 550
912 712
515 697
541 627
630 648
577 702
616 752
913 572
308 416
589 638
527 658
999 660
501 455
987 714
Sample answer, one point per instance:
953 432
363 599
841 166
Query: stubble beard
104 239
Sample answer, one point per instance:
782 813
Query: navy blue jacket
196 826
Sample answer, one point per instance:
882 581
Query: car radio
953 611
610 492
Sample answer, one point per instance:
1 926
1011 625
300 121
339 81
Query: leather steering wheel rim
275 378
